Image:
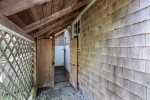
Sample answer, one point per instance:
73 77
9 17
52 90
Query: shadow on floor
61 74
62 89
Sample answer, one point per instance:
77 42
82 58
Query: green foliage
2 58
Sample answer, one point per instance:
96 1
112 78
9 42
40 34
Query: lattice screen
16 65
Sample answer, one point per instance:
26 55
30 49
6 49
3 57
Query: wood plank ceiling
36 14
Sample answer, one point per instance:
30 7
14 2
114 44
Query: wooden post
53 54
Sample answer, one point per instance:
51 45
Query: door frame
77 37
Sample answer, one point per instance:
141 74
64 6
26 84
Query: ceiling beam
8 26
9 7
59 34
55 16
43 31
58 29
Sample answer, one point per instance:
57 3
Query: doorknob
53 63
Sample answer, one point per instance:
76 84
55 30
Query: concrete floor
61 74
62 90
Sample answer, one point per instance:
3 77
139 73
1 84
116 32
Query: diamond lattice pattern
16 64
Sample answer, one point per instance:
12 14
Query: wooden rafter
58 29
9 7
43 31
4 21
54 16
59 34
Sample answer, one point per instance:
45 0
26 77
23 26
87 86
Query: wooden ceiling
42 17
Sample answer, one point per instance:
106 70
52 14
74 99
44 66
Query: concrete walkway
62 90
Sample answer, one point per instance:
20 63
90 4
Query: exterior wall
59 55
67 57
59 51
67 49
114 61
59 40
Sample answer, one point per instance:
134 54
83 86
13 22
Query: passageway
61 74
62 89
74 49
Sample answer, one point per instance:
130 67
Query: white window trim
79 18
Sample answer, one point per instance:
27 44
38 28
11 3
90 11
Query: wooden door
45 68
73 63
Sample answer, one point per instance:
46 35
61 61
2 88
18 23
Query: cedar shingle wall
60 41
67 38
115 50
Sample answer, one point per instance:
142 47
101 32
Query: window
77 30
77 27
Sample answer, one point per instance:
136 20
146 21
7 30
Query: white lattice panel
16 65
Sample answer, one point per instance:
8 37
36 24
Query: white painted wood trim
78 18
84 10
